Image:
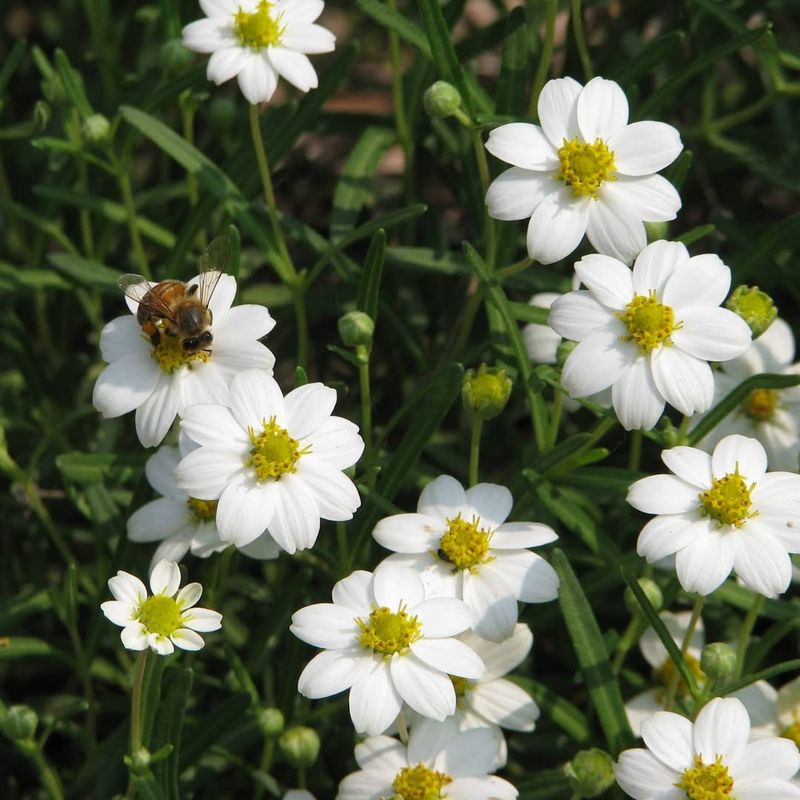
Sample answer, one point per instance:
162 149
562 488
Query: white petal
165 578
307 408
684 381
375 701
478 788
518 535
742 453
337 441
325 625
160 644
219 8
491 503
214 425
263 548
525 574
614 226
122 337
292 11
427 690
449 655
705 563
160 472
557 226
254 398
334 493
763 563
442 498
118 612
669 738
158 520
656 264
713 334
642 776
767 758
366 785
653 196
541 343
245 509
381 752
333 671
608 279
295 518
258 80
767 789
663 494
395 585
761 701
134 637
598 362
189 595
226 63
721 729
642 148
202 619
505 704
355 592
663 536
125 384
443 616
206 35
689 463
294 67
409 533
702 280
493 604
557 110
522 145
127 588
468 755
501 657
577 315
602 110
637 401
516 193
205 472
241 325
187 639
158 412
308 38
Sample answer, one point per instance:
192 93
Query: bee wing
136 288
213 264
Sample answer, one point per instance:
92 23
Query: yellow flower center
760 404
649 323
274 452
258 29
706 781
792 732
170 355
585 166
202 510
420 783
389 632
728 500
460 685
666 672
160 614
464 544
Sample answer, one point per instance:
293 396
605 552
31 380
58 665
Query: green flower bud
96 129
19 723
139 761
718 661
563 351
656 230
356 329
222 112
441 99
590 773
651 590
485 393
175 58
53 90
271 722
300 746
754 307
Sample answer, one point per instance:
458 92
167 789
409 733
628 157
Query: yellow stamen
649 323
258 29
420 783
464 544
170 355
274 452
202 510
706 781
728 500
388 632
160 614
760 404
585 166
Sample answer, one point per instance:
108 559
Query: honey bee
176 309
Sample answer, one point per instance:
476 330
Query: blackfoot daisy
461 546
584 171
164 620
387 643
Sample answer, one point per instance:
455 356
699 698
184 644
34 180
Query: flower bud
222 112
563 351
356 329
485 393
718 661
175 58
590 773
441 99
19 723
54 91
652 592
271 722
754 307
300 746
96 129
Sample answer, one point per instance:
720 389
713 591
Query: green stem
366 404
130 212
744 634
672 688
580 40
544 58
474 448
627 640
555 418
513 269
635 456
136 703
48 776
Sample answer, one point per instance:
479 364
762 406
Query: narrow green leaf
765 674
17 609
73 83
565 504
355 184
21 279
211 727
695 234
425 258
512 85
236 250
86 272
370 284
169 728
661 631
443 53
151 694
678 171
11 62
567 716
398 23
741 597
735 398
13 647
347 355
544 784
525 312
590 649
785 235
650 56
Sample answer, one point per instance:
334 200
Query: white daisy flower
777 712
298 794
541 341
163 621
649 332
179 522
645 704
584 171
710 759
491 701
770 415
721 512
274 463
457 768
461 546
258 41
387 643
161 382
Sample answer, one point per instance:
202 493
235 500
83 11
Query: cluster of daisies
423 643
